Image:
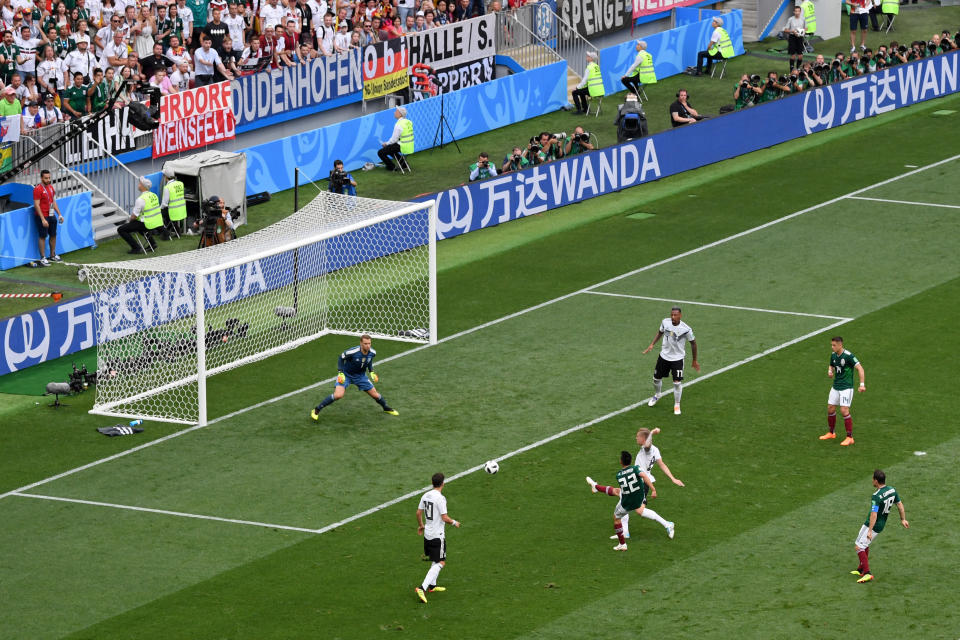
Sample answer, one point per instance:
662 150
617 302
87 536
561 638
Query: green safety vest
810 15
725 46
176 205
645 71
594 80
150 215
890 8
406 136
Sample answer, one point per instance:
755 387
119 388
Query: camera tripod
212 233
441 123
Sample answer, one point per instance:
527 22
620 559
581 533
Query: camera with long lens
582 137
755 80
535 144
338 180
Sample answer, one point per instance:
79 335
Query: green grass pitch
265 524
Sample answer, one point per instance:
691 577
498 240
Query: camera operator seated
774 88
342 182
746 92
682 112
217 221
577 143
515 160
482 169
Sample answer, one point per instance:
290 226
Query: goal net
341 264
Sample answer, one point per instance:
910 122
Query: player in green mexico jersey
842 364
880 504
635 486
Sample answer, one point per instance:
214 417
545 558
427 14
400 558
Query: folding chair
142 239
402 165
599 104
807 46
723 68
644 95
888 26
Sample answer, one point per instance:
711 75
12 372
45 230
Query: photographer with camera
544 148
811 76
774 88
837 73
342 182
577 143
515 160
898 53
682 112
747 91
216 224
482 169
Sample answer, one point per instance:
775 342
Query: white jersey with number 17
675 338
433 504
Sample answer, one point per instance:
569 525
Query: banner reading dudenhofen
454 44
385 68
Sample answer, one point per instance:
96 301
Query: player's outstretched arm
653 342
663 465
903 516
863 380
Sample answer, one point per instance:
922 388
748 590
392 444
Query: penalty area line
456 476
918 204
719 306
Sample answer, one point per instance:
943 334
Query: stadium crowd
64 58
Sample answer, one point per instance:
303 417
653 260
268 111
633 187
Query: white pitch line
719 306
164 512
490 323
919 204
461 474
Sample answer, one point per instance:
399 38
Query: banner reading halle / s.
195 118
454 44
385 68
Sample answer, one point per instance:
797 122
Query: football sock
326 401
625 525
602 488
619 531
832 421
864 561
431 577
653 515
657 386
677 392
848 425
382 402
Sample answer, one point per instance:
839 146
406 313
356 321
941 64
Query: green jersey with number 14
633 489
843 366
882 501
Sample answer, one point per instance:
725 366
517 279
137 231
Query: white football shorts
840 398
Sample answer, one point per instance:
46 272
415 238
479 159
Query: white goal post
340 265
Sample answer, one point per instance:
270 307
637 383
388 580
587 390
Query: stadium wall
67 327
18 231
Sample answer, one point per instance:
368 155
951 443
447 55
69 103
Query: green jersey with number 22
633 489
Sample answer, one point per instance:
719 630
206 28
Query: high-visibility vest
594 80
890 8
151 215
406 136
725 46
810 15
176 205
645 71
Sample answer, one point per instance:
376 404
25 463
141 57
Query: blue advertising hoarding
18 229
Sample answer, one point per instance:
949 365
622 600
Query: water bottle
135 423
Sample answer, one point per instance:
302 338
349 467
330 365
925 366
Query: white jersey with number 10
675 338
433 504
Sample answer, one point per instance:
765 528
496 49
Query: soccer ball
491 466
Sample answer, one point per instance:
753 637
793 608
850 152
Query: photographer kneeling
340 181
515 161
482 169
578 143
746 92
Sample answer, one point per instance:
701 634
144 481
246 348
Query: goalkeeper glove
374 378
341 378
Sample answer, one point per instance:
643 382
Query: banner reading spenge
649 7
195 118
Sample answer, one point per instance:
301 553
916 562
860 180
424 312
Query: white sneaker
653 400
670 528
863 47
593 485
621 547
853 49
44 262
676 409
56 258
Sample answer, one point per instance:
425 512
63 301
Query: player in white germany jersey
646 458
676 334
431 518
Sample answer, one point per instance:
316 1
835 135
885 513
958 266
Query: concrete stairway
751 13
105 216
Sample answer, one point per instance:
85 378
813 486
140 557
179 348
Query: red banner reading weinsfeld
195 118
648 7
193 132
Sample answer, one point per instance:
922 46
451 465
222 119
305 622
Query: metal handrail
109 177
518 41
541 19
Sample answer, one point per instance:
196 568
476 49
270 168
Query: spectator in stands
515 160
163 82
271 14
134 63
307 53
342 18
237 27
251 58
217 30
75 101
341 42
62 42
682 112
325 34
289 39
166 26
186 19
389 28
577 143
795 28
31 118
269 46
10 56
177 52
405 8
718 48
142 32
641 71
482 169
208 62
10 105
49 112
28 44
50 71
17 83
428 19
181 76
420 23
230 56
154 61
116 53
400 144
98 93
443 15
410 24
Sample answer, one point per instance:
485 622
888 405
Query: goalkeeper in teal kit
355 366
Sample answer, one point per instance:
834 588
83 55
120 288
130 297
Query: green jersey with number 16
843 366
633 489
882 501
